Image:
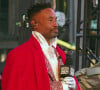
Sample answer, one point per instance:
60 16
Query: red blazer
25 68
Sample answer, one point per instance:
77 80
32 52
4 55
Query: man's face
46 21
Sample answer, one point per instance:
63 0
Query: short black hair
37 7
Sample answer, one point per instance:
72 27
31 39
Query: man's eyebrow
52 17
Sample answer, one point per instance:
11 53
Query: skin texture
46 23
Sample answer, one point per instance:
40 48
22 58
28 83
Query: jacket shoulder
20 48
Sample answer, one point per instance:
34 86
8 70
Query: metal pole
84 35
98 31
77 38
72 28
71 18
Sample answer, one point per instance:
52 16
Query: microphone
67 70
64 71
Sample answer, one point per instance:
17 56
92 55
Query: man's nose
55 24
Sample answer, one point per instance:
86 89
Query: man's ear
33 23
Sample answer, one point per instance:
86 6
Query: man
34 65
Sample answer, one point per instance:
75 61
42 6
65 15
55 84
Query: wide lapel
41 73
36 44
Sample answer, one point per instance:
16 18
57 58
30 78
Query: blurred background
79 26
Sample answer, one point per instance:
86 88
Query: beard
53 33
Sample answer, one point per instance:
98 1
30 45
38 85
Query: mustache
55 28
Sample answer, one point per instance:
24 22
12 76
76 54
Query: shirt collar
42 40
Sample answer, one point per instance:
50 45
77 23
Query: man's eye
50 20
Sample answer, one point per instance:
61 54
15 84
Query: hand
70 82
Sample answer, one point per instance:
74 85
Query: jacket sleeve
78 87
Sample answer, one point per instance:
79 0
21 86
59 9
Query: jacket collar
36 44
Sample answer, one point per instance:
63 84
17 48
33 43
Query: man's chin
54 36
